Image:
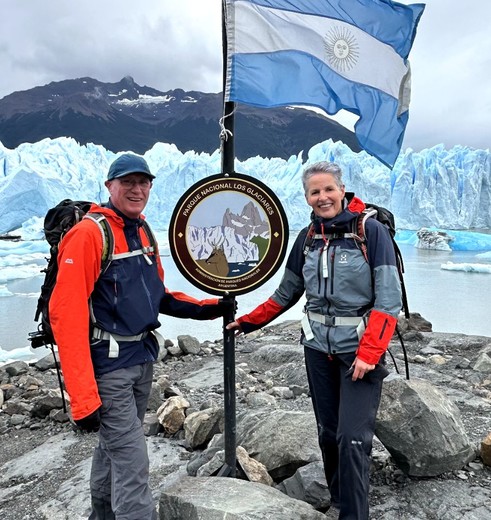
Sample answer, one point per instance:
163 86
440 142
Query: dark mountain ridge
125 116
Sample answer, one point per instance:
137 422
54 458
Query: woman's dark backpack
386 217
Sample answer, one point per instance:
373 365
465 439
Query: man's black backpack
58 221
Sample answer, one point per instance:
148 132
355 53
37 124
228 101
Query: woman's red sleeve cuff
376 338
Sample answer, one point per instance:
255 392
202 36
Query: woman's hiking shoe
332 513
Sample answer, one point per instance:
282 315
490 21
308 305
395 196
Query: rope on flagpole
225 133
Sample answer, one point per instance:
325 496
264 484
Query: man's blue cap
126 164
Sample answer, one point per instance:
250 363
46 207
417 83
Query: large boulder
172 414
247 468
202 498
308 484
283 441
45 402
279 353
486 450
421 428
483 362
201 426
16 368
188 344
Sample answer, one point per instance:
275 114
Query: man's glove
226 306
89 424
223 307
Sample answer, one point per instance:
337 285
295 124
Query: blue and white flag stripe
278 55
370 62
390 22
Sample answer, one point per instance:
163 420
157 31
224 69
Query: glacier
434 188
201 242
437 189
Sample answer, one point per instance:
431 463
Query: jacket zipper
319 272
382 332
115 297
333 255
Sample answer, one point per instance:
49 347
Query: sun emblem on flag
341 49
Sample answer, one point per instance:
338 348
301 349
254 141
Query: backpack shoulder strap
144 251
107 238
309 238
151 237
360 222
108 254
360 230
359 234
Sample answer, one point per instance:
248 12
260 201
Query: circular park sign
228 234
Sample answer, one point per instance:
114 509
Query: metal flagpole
228 159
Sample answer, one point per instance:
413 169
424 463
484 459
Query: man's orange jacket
125 300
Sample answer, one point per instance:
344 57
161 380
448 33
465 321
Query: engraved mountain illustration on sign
248 223
241 241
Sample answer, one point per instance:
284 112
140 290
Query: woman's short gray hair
322 167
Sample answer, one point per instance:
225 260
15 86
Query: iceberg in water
467 267
19 354
428 239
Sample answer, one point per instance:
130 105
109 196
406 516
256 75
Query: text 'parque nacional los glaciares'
228 186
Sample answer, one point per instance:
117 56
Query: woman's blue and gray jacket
352 303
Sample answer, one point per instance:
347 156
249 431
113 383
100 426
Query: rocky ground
44 464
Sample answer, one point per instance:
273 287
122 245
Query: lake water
453 301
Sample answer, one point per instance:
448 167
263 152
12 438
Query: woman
350 316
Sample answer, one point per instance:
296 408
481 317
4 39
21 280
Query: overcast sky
168 44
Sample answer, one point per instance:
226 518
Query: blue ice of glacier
440 188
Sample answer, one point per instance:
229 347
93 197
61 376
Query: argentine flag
331 54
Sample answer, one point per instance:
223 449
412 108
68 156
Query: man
104 324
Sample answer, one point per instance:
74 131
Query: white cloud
168 44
